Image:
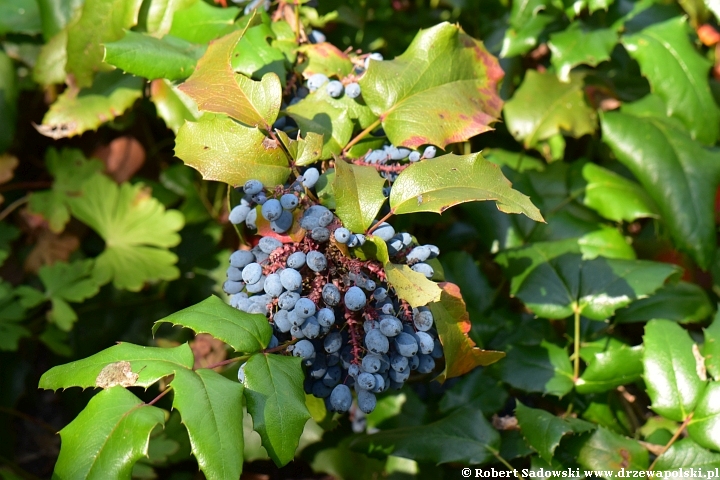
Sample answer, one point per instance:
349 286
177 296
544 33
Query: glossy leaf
682 302
150 57
673 384
224 150
254 56
678 173
687 454
159 16
544 106
678 74
453 325
324 58
574 46
464 436
411 286
617 364
216 88
107 437
359 195
437 184
615 197
172 105
50 64
200 22
101 21
150 363
519 40
442 90
77 111
554 282
19 16
137 231
244 332
704 428
543 430
711 347
211 409
607 242
304 151
476 388
315 113
543 368
606 450
276 401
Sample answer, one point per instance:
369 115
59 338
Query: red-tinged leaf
453 324
216 88
324 58
295 234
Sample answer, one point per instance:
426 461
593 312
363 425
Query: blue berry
355 299
366 381
239 214
304 349
269 244
287 300
326 317
427 364
289 201
251 218
252 273
283 223
273 285
424 268
430 152
376 342
426 343
384 231
335 89
234 274
310 177
316 36
390 326
341 398
231 287
316 81
423 319
371 363
240 258
352 90
320 234
366 401
253 187
406 345
330 295
332 342
296 260
414 156
316 261
272 209
342 235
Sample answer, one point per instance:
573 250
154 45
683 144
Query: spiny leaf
200 22
678 173
543 368
617 364
411 286
682 302
678 74
711 347
528 20
607 242
437 184
359 194
107 437
304 151
464 436
244 332
704 428
615 197
453 324
77 111
687 454
217 89
573 47
137 231
172 105
255 57
544 106
150 363
543 430
276 401
224 150
673 384
324 58
211 409
606 450
317 114
442 90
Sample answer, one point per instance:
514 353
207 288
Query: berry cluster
331 309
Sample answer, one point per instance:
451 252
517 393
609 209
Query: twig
576 345
17 203
372 229
164 392
361 135
671 441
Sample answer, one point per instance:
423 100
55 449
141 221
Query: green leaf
678 74
607 242
137 231
411 286
606 450
107 437
464 437
19 16
11 313
544 106
71 170
150 57
543 430
276 401
315 113
437 184
50 64
247 333
8 101
255 57
8 234
67 282
150 363
678 173
671 372
201 22
172 105
615 197
520 40
359 195
476 388
101 21
324 58
704 428
216 88
304 151
78 111
575 46
682 302
453 324
687 454
711 347
442 90
518 161
224 150
554 282
158 17
543 368
616 364
211 409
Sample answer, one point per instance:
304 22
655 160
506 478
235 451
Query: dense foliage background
605 311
